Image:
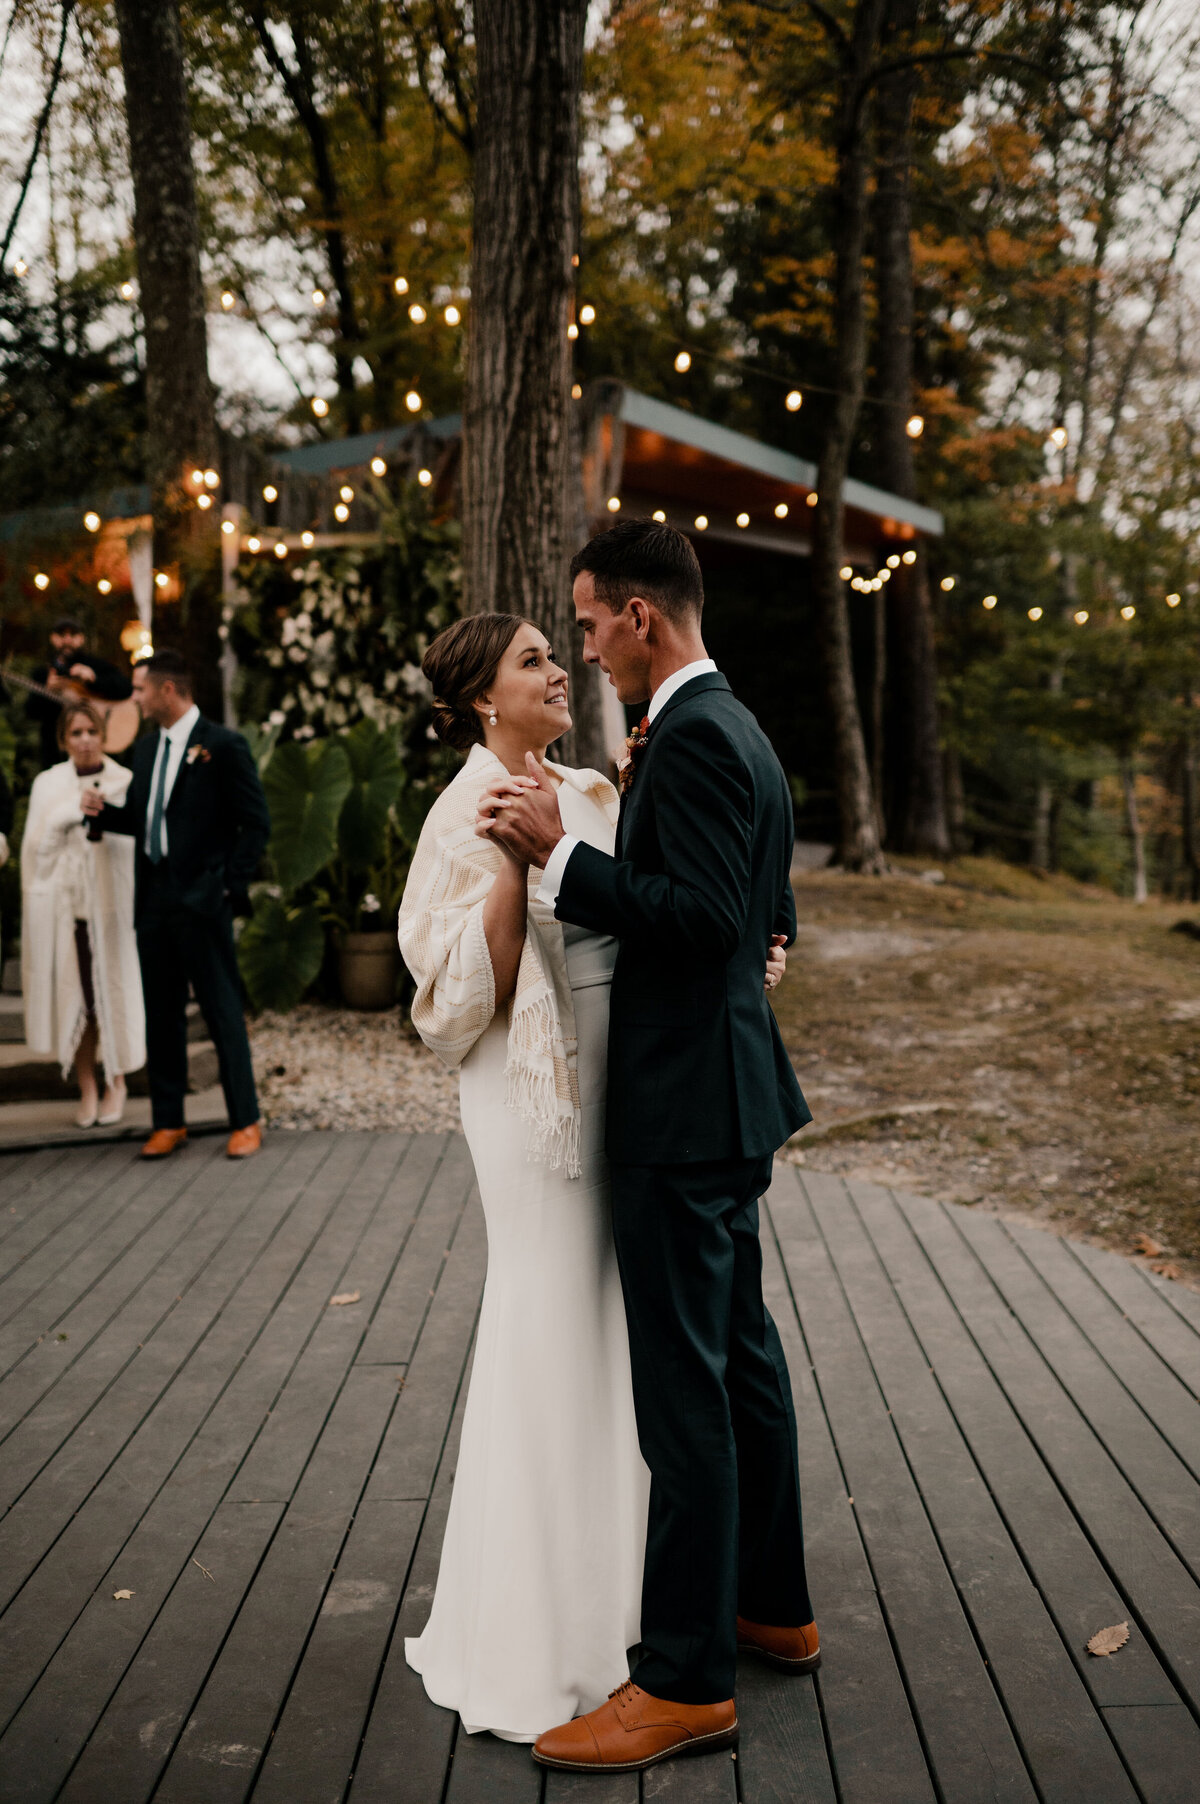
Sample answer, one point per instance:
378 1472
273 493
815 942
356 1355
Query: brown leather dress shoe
163 1141
791 1650
244 1141
633 1730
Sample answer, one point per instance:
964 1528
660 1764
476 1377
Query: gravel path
324 1067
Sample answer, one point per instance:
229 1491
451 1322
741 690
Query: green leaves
306 787
280 950
377 779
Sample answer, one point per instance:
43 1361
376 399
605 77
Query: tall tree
181 432
518 510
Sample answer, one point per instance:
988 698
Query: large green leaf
279 952
305 788
377 779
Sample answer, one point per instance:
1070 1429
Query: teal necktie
155 853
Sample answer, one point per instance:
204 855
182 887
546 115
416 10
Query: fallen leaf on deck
204 1569
1107 1641
1146 1243
353 1296
1166 1269
120 1595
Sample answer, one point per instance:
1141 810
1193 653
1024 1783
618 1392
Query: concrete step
32 1077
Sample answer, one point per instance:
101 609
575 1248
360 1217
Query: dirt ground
1022 1043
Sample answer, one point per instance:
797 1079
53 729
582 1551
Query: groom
700 1097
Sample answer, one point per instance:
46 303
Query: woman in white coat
79 961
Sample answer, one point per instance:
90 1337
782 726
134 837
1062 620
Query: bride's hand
494 799
776 962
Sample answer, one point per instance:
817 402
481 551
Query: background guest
198 815
70 658
79 961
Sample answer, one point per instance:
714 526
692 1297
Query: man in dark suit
700 1097
196 808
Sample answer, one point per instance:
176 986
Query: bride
539 1590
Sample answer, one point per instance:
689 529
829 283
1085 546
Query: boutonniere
199 754
628 755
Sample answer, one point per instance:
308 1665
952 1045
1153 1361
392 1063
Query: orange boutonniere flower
627 757
199 754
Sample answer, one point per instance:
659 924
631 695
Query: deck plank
1175 1340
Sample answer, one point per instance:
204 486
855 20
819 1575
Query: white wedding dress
539 1590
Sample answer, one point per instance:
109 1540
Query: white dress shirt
556 864
171 744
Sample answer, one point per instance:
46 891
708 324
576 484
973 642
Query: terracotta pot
367 966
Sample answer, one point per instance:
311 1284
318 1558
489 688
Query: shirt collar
179 733
666 690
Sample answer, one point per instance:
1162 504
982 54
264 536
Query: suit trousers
178 946
715 1422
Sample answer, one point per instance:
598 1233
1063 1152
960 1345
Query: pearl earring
492 718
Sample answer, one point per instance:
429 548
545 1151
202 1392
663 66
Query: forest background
979 218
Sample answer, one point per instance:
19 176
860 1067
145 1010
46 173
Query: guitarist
70 661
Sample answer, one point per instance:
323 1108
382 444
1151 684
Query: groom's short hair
643 557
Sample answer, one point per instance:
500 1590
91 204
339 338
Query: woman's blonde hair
70 710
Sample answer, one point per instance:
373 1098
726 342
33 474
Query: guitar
122 720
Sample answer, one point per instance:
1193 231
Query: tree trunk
181 432
1191 842
920 824
1137 844
519 509
878 696
858 847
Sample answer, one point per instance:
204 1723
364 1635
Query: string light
683 361
270 493
576 392
345 493
910 557
572 331
104 586
1058 438
161 580
318 297
228 528
416 314
857 584
876 583
743 519
587 314
228 299
947 583
341 511
320 406
400 285
811 499
20 267
41 580
1172 601
378 466
306 539
659 516
424 477
126 291
914 425
781 510
92 521
198 478
204 502
614 504
893 562
253 544
794 401
280 548
989 602
701 522
1081 617
412 401
575 260
885 575
1127 613
846 573
452 316
212 479
1035 613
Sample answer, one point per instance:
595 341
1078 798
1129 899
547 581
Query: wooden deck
1000 1446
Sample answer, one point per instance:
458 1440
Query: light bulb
884 576
412 401
204 502
92 521
320 406
126 291
318 297
424 477
227 527
416 314
947 583
576 392
743 519
1172 601
1127 613
914 425
212 479
306 539
41 580
104 586
1081 617
280 548
846 573
893 562
781 510
400 285
1035 613
811 499
1058 437
683 361
345 493
270 493
572 331
161 580
909 557
794 401
378 466
701 522
989 602
20 267
452 316
228 299
614 504
857 584
587 314
198 478
876 583
253 544
659 516
341 511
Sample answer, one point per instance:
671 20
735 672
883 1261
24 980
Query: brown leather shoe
633 1730
163 1142
244 1141
791 1650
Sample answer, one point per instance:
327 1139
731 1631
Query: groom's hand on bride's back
521 814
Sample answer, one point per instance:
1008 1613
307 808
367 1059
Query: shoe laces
625 1689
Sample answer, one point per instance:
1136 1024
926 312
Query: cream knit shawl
444 946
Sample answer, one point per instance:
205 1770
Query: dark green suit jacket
699 883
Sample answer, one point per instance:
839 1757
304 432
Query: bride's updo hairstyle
461 663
